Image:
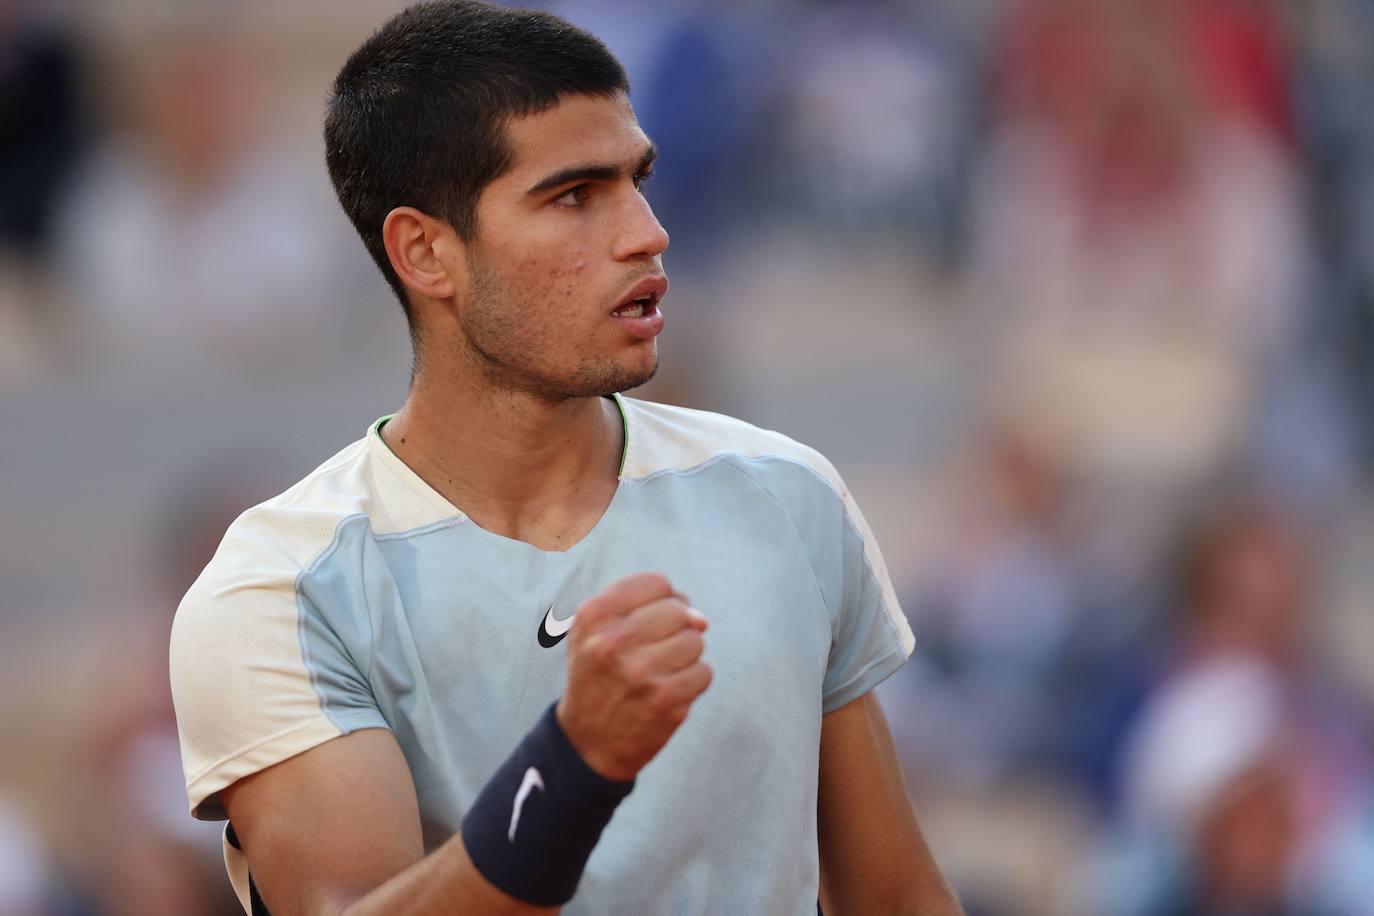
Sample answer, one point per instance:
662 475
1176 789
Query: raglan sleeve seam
903 641
796 532
890 614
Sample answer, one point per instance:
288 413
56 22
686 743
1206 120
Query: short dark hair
416 116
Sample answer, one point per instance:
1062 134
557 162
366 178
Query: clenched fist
634 668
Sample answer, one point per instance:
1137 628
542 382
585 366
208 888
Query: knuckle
650 585
594 606
636 671
602 648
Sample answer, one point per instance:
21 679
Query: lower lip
645 327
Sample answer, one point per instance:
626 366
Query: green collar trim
377 428
625 442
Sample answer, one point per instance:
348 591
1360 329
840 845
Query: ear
420 249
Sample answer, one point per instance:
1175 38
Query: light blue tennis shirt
361 598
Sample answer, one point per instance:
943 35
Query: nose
642 235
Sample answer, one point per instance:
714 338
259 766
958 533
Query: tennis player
465 665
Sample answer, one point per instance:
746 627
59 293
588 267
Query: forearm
924 890
524 841
929 894
337 829
917 889
444 882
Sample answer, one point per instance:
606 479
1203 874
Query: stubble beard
516 362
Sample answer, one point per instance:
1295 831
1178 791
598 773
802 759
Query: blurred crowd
1078 295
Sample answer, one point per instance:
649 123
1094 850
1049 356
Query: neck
517 465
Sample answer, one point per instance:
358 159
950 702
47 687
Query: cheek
564 279
574 277
573 268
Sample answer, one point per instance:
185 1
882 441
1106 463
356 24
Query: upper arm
323 828
872 855
280 730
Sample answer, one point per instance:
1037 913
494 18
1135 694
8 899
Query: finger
648 625
658 620
689 683
621 597
667 655
604 644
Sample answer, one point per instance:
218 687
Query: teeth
631 311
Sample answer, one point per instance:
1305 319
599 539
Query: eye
574 197
643 177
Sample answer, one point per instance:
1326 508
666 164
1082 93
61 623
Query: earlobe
415 243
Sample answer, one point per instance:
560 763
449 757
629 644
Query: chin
600 381
635 381
627 380
592 380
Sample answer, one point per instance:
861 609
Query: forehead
580 129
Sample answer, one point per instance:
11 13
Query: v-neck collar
436 501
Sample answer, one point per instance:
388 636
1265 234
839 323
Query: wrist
535 823
608 766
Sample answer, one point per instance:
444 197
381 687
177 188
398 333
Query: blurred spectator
1005 608
1139 178
1246 758
130 771
877 122
1334 83
1139 249
41 124
997 609
25 882
42 118
199 238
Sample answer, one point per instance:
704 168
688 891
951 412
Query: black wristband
536 821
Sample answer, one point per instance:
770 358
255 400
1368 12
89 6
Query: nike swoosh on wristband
552 630
531 782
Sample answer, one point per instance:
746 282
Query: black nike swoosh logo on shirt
552 630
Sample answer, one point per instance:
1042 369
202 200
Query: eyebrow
594 172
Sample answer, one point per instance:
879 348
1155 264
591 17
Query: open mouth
642 299
638 307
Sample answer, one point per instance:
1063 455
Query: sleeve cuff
203 788
870 676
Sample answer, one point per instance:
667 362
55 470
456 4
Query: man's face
565 240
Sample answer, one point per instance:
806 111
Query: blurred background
1077 294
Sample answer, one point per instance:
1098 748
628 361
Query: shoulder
666 439
363 485
272 545
249 587
268 646
288 533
